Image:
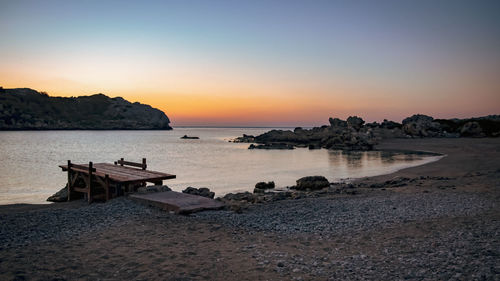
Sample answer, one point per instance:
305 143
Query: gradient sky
261 63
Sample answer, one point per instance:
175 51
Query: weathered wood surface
180 203
122 174
142 165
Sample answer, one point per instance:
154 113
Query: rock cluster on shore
306 187
355 134
202 191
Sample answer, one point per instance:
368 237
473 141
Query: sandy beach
439 221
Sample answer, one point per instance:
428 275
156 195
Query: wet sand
439 221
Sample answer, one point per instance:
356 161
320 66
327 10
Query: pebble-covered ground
24 228
350 214
382 236
423 236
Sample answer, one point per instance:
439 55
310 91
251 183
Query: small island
186 137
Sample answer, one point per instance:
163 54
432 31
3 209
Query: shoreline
437 221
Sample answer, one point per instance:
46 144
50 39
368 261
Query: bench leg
69 186
89 190
106 180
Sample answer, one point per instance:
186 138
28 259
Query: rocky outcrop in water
272 145
346 135
27 109
355 134
245 138
186 137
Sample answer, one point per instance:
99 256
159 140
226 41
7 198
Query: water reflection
366 162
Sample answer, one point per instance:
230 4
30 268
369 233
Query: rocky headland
355 134
27 109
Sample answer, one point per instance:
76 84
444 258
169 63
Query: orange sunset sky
272 63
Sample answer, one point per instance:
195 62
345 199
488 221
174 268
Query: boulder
471 129
241 196
298 130
418 118
312 183
387 124
314 146
260 187
355 122
277 196
336 123
62 195
202 191
153 188
350 140
420 125
372 125
165 188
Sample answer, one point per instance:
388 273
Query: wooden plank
85 171
132 173
89 183
123 174
142 165
70 182
123 171
129 170
80 189
106 180
180 203
114 176
80 167
124 177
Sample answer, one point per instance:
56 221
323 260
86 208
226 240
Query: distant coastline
25 109
240 127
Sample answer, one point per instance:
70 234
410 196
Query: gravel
349 214
466 249
24 228
458 242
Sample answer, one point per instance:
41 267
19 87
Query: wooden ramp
180 203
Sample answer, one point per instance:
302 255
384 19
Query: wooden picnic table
104 179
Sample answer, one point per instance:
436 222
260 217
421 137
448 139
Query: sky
261 63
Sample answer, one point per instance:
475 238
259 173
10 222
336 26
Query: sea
29 160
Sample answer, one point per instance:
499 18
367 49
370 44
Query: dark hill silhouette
27 109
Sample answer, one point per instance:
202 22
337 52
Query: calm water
29 169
